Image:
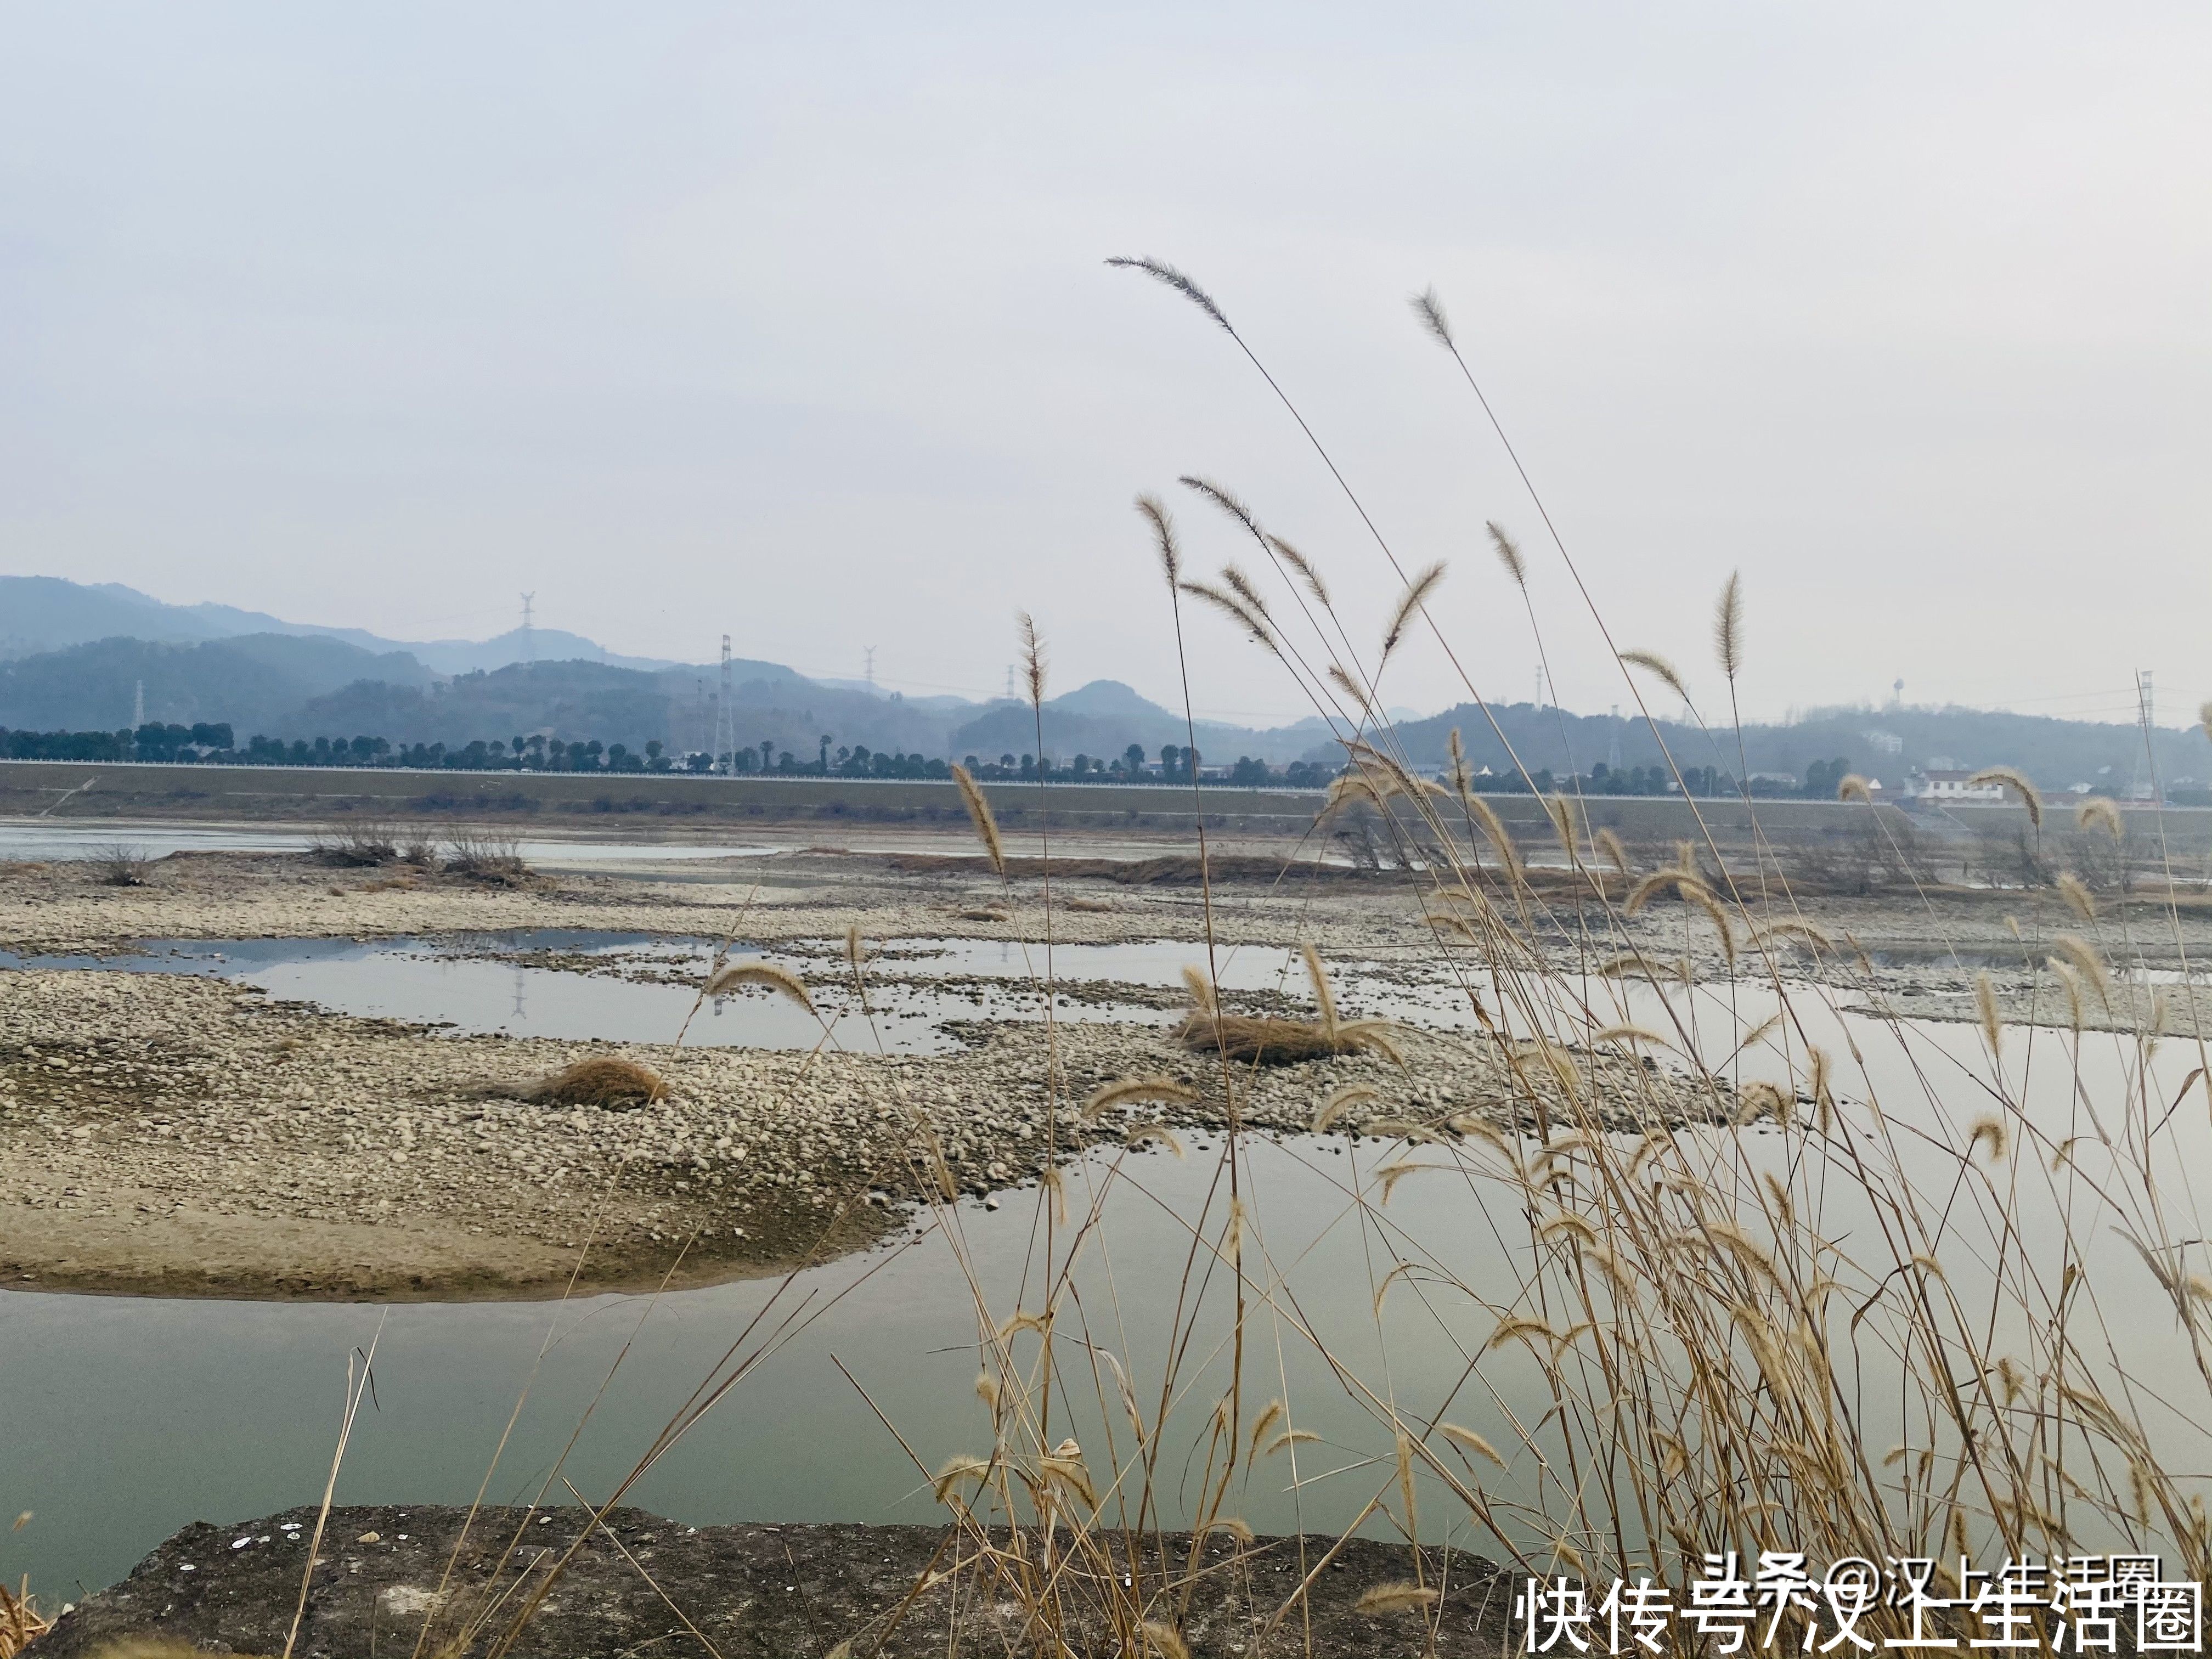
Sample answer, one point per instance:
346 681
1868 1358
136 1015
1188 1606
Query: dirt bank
642 1583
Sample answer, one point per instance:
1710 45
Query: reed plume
979 810
1728 625
1161 271
1415 596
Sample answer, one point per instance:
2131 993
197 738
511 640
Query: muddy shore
184 1135
641 1583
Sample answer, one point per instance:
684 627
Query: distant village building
1949 789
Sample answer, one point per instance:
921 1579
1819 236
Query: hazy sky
792 322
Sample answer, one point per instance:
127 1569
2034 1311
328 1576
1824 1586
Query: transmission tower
2143 786
529 631
138 707
870 650
726 720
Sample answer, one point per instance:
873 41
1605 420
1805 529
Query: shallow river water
121 1418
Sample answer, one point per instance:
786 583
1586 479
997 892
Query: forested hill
1881 743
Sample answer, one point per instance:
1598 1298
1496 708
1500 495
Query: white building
1948 788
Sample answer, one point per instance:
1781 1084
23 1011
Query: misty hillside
2055 753
47 613
1105 717
257 682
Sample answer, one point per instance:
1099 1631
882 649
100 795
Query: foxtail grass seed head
1226 499
1409 604
2099 812
1160 271
2016 780
1133 1089
979 811
1508 554
1241 585
1431 310
1989 1130
1324 997
1855 788
2204 719
1728 625
1033 658
1343 683
1615 854
2071 889
2082 958
1985 1009
1341 1100
1163 538
1660 669
1384 1599
1238 611
781 981
1307 571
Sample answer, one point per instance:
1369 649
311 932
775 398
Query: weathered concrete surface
644 1585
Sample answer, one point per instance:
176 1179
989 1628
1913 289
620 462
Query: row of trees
1176 763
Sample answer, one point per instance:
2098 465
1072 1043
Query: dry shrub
605 1080
482 855
1090 905
983 913
355 846
120 864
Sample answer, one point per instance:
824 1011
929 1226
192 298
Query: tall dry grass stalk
1721 1265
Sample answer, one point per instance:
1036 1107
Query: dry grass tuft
1259 1041
1089 906
22 1623
607 1080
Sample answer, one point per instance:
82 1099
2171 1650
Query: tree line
214 744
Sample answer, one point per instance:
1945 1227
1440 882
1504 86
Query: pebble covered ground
190 1136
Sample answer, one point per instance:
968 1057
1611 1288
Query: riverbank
394 1579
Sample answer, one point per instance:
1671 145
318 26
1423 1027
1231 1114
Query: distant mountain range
79 657
46 613
76 657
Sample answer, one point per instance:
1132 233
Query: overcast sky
792 323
